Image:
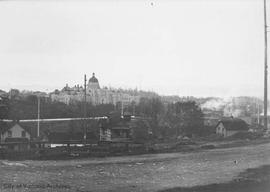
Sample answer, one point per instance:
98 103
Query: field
155 172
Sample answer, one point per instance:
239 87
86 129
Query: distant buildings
94 94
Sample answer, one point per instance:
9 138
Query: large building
94 94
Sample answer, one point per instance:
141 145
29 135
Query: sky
187 47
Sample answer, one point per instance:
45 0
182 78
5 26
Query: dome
93 83
93 79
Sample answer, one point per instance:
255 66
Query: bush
246 135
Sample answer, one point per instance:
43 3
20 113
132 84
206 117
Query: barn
229 126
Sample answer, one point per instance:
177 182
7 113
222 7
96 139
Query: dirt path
252 180
133 173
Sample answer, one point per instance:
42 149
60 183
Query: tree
170 122
151 108
140 131
190 117
4 105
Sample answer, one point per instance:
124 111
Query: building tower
93 83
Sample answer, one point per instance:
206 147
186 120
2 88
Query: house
20 135
51 132
230 126
124 129
16 137
115 128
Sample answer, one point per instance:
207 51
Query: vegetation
26 108
172 120
165 120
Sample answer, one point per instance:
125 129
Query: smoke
214 104
227 105
234 113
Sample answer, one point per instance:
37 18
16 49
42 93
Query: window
23 133
9 134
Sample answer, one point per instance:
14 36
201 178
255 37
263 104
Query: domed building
93 83
94 94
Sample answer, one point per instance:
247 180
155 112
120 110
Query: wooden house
16 137
230 126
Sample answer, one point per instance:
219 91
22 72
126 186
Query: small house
124 129
230 126
115 128
16 137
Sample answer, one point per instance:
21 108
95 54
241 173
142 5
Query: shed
230 126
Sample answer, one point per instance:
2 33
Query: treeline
27 108
165 120
174 119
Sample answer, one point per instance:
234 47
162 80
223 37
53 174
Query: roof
6 126
58 127
234 124
93 79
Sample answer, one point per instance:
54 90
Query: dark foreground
152 172
252 180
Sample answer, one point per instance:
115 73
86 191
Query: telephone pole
84 111
122 108
38 125
265 67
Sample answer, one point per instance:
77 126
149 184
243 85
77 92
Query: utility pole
133 108
84 111
122 108
38 126
265 67
258 112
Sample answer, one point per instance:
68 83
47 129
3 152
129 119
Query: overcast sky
184 47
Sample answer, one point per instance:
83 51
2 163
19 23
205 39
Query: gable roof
234 124
10 125
29 127
57 131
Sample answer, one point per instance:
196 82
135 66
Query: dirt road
133 173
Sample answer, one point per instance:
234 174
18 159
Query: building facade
94 94
16 137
